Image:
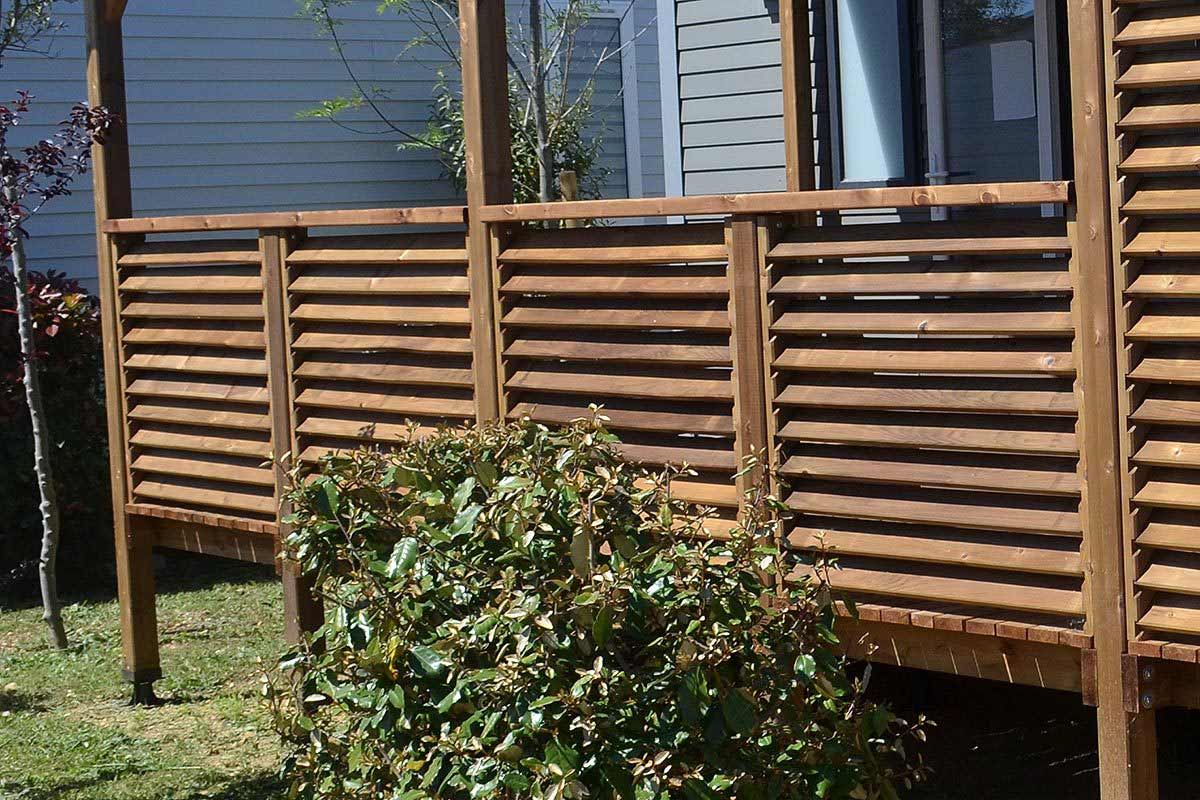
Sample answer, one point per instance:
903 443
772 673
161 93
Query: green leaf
694 789
738 710
561 756
806 666
620 781
463 493
692 697
602 626
328 498
486 472
404 556
464 522
427 662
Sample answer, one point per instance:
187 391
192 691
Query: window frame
904 12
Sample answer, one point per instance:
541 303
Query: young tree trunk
47 562
541 116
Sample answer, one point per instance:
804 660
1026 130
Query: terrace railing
912 388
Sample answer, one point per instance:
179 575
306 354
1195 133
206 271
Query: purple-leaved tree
30 177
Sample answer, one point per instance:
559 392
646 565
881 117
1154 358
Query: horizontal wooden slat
191 310
1166 116
976 592
933 281
929 361
663 244
196 468
1169 578
1163 158
1170 412
383 372
334 338
167 440
1171 619
575 318
1041 481
629 284
991 553
678 455
912 239
421 248
1165 285
212 365
434 215
367 431
1166 327
1167 370
1161 74
1169 454
393 401
629 419
920 399
961 514
238 251
1170 536
183 414
1167 494
893 320
377 311
196 281
931 436
1166 244
199 337
167 492
179 386
787 202
1159 27
386 284
579 349
642 386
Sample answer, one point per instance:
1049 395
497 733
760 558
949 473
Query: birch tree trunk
47 562
541 117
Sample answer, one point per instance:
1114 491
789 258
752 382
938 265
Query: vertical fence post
112 198
484 47
301 609
1126 741
797 95
747 344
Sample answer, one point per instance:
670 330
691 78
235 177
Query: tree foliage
557 79
516 612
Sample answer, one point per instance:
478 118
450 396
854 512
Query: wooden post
1127 748
302 610
797 95
489 179
113 200
749 372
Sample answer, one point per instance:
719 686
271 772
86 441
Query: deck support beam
1127 746
113 199
794 39
484 47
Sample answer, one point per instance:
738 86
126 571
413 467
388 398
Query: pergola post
794 39
113 199
1127 742
484 46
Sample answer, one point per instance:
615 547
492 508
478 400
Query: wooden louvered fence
915 387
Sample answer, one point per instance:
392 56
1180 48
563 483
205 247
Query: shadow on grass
174 572
22 703
256 786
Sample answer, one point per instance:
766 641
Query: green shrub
67 335
515 612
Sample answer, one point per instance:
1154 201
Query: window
943 91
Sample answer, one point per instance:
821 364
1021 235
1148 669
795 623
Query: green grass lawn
67 732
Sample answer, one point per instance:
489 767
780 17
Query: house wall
214 90
731 94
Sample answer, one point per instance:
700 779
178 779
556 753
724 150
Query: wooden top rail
432 215
983 194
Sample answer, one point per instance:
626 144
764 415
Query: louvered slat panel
194 349
635 320
1159 150
925 412
380 338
